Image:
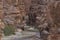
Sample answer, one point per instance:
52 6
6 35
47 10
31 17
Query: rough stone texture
15 12
25 35
54 14
54 37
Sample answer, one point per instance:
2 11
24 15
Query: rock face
54 37
54 12
38 10
1 16
14 11
38 13
48 12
